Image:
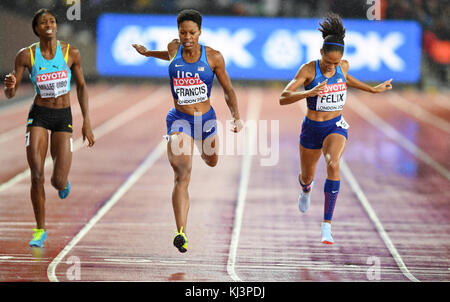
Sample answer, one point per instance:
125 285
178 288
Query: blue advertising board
256 48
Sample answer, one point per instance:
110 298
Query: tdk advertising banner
262 48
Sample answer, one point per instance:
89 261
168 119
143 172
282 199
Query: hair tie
332 43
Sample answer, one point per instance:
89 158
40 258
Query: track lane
407 194
277 243
281 244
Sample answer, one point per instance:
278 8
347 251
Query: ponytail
333 33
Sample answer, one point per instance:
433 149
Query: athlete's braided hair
333 33
190 15
37 15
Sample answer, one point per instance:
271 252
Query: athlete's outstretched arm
159 54
355 83
291 95
230 94
13 79
82 95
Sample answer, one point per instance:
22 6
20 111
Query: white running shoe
326 233
304 199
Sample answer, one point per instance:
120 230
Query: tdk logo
285 49
262 48
232 45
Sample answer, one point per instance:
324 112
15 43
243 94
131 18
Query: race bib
53 84
332 98
342 123
190 90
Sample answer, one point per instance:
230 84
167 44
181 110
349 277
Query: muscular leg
210 149
60 150
181 163
308 163
36 153
333 148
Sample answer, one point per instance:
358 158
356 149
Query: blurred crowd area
433 15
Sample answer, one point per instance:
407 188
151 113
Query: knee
332 165
182 175
58 182
182 179
37 178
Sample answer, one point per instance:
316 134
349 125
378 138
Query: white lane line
253 111
367 114
418 112
93 104
6 257
128 261
117 121
373 217
137 174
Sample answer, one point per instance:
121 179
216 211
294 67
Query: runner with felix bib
324 130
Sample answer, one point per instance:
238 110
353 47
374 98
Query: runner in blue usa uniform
192 68
51 64
324 129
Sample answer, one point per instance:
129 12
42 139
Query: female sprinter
191 70
50 63
324 130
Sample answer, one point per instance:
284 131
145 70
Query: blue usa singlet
333 96
51 78
190 82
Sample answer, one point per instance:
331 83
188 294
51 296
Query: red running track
392 213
